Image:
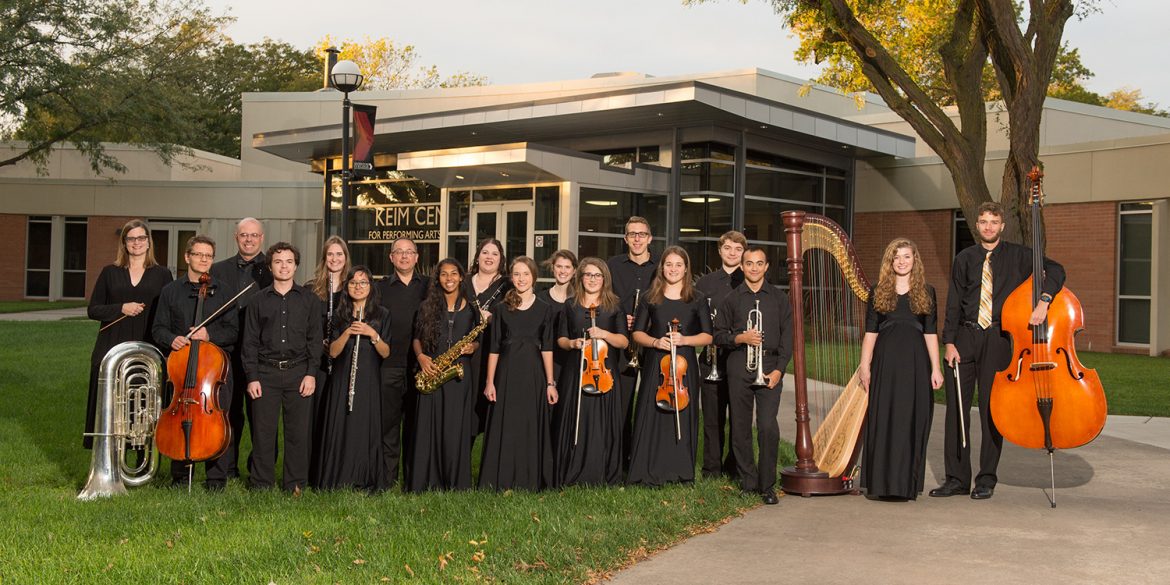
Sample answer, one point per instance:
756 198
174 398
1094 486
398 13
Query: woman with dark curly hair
899 367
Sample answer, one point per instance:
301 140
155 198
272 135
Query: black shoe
981 492
769 497
948 489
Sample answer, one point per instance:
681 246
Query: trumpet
712 353
632 351
755 353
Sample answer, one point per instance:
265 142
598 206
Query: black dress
349 453
441 450
487 299
657 457
596 458
328 307
560 356
112 289
901 403
517 449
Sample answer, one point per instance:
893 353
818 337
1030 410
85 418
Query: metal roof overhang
642 108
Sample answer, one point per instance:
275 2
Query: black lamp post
346 77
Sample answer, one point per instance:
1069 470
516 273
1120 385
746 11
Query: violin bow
219 310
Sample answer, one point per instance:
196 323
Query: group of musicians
591 381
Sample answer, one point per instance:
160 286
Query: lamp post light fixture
346 77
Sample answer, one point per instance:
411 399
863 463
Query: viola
194 427
672 392
596 377
1045 398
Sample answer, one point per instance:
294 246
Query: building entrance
510 222
170 243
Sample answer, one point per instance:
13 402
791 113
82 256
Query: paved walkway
50 315
1110 525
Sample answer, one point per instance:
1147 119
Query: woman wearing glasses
350 451
124 299
588 438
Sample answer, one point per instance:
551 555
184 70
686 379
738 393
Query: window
38 254
1134 251
41 277
73 278
624 158
963 238
603 220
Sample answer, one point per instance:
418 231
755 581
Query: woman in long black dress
123 300
588 426
350 452
441 449
485 286
899 367
664 445
328 284
563 265
517 448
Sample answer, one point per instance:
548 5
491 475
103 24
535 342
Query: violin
596 378
1045 398
193 427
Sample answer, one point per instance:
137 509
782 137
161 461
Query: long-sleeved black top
1011 264
731 320
402 301
176 313
718 284
239 273
629 276
282 327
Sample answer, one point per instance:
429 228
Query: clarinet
357 345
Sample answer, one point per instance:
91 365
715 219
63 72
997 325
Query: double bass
1045 398
194 427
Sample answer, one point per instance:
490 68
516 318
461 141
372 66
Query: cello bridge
1042 366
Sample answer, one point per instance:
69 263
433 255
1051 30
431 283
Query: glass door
170 241
510 222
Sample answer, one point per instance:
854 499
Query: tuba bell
130 380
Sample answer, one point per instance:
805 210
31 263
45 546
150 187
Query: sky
518 41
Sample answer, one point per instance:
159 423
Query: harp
828 292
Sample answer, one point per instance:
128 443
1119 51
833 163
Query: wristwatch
375 340
1046 297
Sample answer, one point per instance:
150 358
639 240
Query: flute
357 345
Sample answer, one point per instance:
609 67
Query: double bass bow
1045 398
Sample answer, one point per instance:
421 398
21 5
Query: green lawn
22 306
160 535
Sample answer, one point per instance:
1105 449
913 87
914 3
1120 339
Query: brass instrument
353 361
632 350
130 379
755 353
712 353
448 369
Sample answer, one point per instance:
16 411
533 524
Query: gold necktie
985 294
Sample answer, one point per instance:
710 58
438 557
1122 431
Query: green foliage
25 306
161 535
389 65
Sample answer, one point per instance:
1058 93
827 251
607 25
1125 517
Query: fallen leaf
307 534
535 518
442 562
478 556
409 571
359 561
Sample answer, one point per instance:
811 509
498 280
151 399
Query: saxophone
446 365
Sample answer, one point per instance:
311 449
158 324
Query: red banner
363 149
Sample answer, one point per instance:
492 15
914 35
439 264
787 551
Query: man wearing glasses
632 273
401 294
247 266
174 328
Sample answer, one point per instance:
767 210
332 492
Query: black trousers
766 403
982 353
218 468
714 401
280 392
397 399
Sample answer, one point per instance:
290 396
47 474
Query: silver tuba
130 380
755 353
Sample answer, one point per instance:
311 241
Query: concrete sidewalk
1109 526
50 315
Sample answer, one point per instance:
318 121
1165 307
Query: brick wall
15 241
103 241
1082 237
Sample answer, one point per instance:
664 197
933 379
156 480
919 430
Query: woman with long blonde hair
123 301
899 368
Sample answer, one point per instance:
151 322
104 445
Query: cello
672 393
1045 398
193 427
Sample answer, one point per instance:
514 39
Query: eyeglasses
201 255
404 253
637 235
252 236
585 275
359 283
136 239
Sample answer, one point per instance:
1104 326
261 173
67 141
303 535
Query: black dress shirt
402 301
239 273
629 276
1011 264
719 283
777 322
283 328
176 313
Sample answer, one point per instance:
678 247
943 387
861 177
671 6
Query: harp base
814 483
